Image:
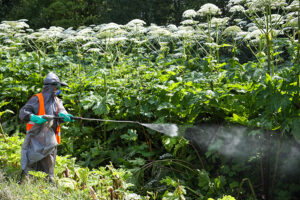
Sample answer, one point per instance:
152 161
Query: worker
42 130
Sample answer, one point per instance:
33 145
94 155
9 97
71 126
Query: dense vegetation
242 70
75 13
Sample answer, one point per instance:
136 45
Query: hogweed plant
208 10
261 13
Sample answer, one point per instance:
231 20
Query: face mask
57 92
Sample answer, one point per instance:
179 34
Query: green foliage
226 197
38 174
75 180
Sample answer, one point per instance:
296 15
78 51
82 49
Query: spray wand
166 128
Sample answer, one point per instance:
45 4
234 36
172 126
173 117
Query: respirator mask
57 90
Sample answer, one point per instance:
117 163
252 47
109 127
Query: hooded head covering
52 79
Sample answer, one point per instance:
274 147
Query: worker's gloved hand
37 119
71 117
67 117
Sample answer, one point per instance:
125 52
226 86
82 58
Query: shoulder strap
42 106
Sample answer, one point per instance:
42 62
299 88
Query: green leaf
169 181
296 129
67 183
239 119
138 162
130 136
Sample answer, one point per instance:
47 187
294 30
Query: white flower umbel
90 44
132 196
260 5
69 31
110 26
4 27
252 28
235 2
172 28
153 27
94 50
135 22
292 23
183 34
189 14
86 32
159 32
254 34
241 35
209 9
56 29
232 31
117 40
293 6
13 26
219 21
237 8
189 22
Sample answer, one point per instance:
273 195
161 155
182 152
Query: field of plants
238 72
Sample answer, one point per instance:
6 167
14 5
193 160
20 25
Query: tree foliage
75 13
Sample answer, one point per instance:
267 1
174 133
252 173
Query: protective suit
40 145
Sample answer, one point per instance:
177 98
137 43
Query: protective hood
52 78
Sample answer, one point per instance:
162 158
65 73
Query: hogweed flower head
209 9
235 2
183 33
189 13
159 32
237 8
293 6
232 31
86 31
110 26
254 34
172 27
260 5
189 22
136 22
219 21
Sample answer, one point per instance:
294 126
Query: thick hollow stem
268 37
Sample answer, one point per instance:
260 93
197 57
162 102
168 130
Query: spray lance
165 128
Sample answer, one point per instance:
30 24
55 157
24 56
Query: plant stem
2 133
266 165
105 91
298 52
276 165
250 185
268 37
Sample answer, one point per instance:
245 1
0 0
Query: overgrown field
241 69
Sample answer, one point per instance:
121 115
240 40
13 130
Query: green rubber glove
37 119
71 117
67 117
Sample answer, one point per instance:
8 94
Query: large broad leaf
296 129
67 183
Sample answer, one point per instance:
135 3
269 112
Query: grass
35 189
